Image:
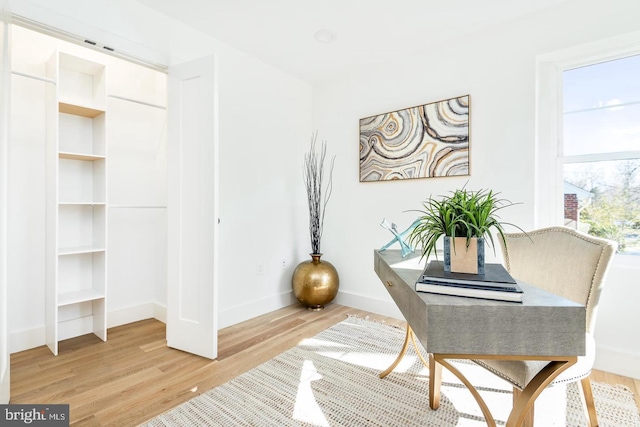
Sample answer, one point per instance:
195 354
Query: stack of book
495 284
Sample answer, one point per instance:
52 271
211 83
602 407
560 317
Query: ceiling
281 32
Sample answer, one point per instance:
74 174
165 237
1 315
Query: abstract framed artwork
426 141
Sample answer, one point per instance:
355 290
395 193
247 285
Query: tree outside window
601 150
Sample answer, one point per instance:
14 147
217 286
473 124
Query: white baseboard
240 313
363 302
160 312
26 339
31 338
617 362
131 314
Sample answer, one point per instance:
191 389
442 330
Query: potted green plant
465 219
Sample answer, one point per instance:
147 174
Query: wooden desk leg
418 352
435 379
409 337
531 392
405 346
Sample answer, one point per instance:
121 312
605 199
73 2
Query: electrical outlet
284 264
260 269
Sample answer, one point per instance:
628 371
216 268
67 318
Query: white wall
497 69
264 126
26 215
616 333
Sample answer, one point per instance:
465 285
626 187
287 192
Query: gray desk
544 327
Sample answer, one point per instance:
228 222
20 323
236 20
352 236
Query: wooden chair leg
435 378
528 419
590 407
523 405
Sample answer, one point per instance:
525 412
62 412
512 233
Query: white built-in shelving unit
76 259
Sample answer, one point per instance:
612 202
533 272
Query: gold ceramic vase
315 283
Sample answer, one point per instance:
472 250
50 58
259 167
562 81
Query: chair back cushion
563 261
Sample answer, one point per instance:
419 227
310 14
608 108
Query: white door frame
5 93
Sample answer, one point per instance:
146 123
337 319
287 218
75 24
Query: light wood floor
133 376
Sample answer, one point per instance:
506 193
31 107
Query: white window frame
549 201
615 348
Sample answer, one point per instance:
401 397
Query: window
600 150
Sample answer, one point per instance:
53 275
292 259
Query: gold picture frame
426 141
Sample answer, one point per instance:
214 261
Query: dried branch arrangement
313 172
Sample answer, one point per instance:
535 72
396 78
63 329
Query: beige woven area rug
332 380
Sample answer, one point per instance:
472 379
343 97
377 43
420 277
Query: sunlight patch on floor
376 361
345 353
306 409
315 342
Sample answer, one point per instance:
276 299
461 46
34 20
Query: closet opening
87 196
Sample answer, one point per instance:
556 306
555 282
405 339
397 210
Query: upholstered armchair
570 264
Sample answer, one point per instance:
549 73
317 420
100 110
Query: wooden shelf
79 110
76 199
79 156
82 203
81 250
79 296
